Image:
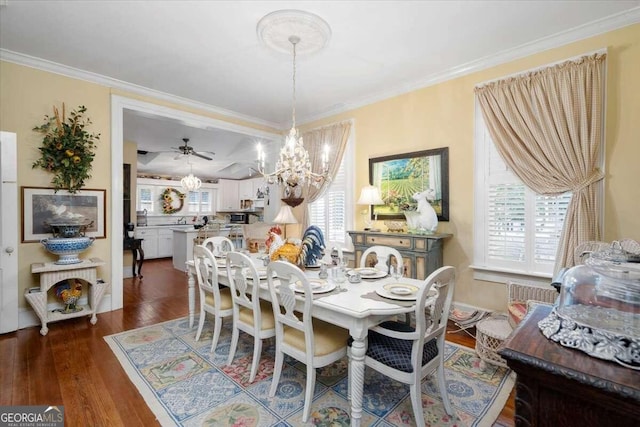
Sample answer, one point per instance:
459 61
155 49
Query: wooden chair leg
277 370
308 393
217 327
203 314
257 351
442 385
416 403
234 344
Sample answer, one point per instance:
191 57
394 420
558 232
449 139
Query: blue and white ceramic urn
67 249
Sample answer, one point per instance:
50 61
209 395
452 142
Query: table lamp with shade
370 195
285 216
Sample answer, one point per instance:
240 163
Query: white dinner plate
318 286
369 273
262 272
312 266
399 291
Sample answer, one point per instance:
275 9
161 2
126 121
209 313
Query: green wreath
168 199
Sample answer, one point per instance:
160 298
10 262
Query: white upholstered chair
213 300
219 245
409 354
311 341
250 314
383 256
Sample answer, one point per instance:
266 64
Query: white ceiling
207 52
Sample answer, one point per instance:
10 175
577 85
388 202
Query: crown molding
610 23
56 68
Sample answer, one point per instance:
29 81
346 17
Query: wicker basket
490 334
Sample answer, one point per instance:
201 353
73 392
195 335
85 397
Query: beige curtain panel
335 136
547 126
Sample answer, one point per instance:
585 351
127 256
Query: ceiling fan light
190 183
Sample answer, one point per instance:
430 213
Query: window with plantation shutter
516 231
145 198
200 201
334 211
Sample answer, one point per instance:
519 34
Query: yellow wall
27 95
436 116
443 115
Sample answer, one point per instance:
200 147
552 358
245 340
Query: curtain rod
541 67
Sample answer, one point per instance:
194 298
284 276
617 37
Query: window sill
492 274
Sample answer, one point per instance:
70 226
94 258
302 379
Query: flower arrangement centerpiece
67 148
168 196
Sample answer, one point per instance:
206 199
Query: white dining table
353 309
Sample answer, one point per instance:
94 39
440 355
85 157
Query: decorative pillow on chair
517 311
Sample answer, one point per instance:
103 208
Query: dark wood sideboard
421 253
559 386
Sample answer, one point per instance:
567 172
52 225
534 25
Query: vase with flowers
67 148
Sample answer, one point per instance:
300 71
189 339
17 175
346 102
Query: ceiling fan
183 150
187 150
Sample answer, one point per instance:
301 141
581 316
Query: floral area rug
185 384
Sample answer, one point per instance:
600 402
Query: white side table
490 334
50 274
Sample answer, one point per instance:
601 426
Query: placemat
374 296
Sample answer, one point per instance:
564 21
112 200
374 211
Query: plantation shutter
146 199
329 211
522 228
550 213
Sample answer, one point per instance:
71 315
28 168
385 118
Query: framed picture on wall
400 176
41 206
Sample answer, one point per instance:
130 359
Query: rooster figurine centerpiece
307 251
69 292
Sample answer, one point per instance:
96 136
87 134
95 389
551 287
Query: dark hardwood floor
73 366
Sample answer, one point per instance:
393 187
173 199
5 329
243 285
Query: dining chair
409 354
383 257
218 245
250 314
213 300
311 341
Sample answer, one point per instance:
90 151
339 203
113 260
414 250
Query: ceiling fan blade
202 156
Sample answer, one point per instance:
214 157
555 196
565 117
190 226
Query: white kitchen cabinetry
245 190
165 243
229 195
149 242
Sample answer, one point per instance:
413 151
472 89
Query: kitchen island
183 241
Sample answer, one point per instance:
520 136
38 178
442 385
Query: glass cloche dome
598 311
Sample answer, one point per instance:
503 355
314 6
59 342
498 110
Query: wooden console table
50 274
559 386
135 245
421 253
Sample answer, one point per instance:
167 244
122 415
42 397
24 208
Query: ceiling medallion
275 29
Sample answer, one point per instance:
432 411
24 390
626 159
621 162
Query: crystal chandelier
190 182
293 167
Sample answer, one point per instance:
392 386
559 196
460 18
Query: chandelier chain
294 42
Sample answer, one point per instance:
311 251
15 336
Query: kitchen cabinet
229 195
245 190
421 253
149 242
165 243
